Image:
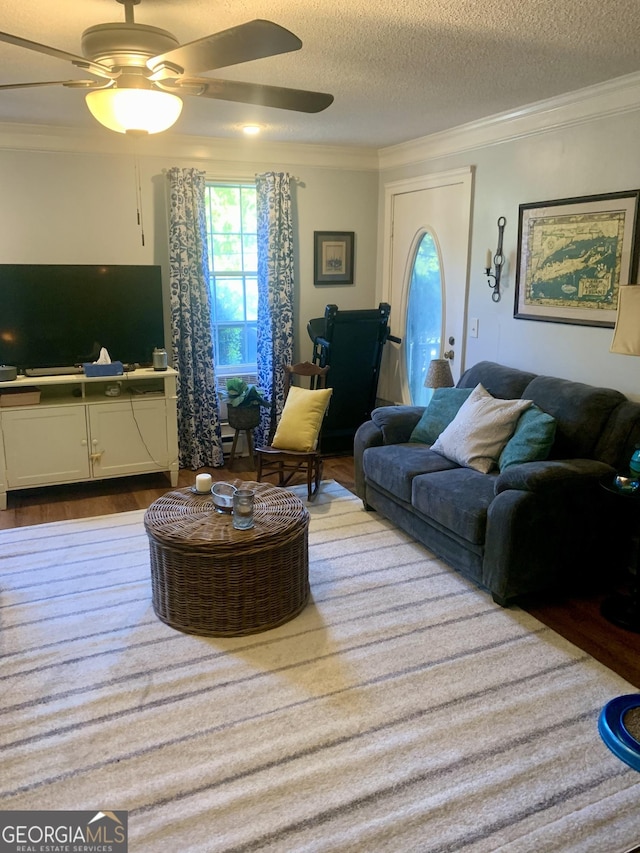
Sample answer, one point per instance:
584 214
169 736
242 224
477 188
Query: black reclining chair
351 343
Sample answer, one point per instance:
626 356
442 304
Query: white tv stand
78 433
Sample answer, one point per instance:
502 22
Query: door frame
463 175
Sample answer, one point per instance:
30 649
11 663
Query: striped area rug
401 711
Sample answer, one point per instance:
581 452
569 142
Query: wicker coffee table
209 578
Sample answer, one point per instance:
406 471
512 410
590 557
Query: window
233 276
424 318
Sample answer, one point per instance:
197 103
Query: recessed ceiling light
251 129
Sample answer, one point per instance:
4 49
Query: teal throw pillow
442 409
532 441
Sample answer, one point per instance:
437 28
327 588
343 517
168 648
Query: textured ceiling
398 70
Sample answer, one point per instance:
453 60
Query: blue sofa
532 527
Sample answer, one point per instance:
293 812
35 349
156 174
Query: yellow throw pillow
301 419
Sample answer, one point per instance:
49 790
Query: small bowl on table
222 494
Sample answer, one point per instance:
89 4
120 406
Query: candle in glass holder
243 509
203 483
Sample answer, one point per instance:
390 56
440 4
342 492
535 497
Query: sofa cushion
393 466
478 433
442 409
532 441
456 499
581 412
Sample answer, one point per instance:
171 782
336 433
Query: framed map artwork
573 256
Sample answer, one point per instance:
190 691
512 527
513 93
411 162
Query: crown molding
251 152
615 97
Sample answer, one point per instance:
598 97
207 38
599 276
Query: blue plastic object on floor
614 733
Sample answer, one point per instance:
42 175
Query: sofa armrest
367 435
388 425
551 474
396 422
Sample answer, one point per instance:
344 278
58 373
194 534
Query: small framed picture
333 257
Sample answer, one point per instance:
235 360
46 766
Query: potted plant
243 403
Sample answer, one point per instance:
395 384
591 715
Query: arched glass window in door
424 318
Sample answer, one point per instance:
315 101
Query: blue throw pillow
532 441
442 409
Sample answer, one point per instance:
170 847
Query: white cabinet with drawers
80 431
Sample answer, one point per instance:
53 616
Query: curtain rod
236 179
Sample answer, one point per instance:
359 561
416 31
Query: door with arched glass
423 324
425 269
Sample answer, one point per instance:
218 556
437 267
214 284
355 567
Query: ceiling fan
142 70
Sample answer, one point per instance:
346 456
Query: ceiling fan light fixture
134 110
139 67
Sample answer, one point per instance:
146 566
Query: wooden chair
285 464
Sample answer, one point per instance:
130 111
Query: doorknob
450 354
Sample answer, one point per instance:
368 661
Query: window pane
231 345
252 343
249 222
424 318
225 208
227 253
250 251
252 298
229 299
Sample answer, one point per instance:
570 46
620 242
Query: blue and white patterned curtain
275 294
199 436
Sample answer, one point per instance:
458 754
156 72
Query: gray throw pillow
478 433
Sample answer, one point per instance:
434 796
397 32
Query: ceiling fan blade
253 40
70 84
33 85
253 93
79 61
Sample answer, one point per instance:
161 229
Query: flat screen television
61 315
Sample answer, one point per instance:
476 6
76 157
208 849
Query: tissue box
114 369
20 397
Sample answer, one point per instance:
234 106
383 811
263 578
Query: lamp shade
439 374
139 110
626 337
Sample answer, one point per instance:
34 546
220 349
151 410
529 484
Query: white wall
330 200
80 206
70 209
599 155
69 198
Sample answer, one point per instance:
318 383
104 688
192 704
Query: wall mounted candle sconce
498 263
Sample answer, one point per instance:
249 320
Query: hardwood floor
577 619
